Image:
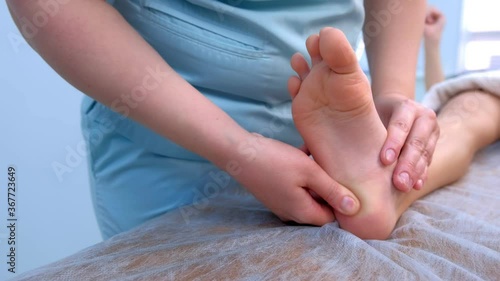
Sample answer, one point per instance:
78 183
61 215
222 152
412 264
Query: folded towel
439 94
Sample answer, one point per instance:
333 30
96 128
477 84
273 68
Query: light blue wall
39 119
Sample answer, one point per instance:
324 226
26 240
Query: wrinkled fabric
439 94
452 234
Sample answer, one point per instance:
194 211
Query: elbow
32 17
28 14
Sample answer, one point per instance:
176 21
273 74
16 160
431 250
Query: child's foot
334 112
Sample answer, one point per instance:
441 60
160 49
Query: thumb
335 194
316 213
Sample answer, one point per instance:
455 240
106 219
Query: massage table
451 234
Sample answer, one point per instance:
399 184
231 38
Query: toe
336 51
294 86
312 45
300 65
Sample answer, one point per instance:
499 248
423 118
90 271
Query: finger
410 167
397 131
441 18
420 183
407 171
336 195
315 196
432 143
426 158
429 18
419 171
315 213
307 207
429 14
433 15
300 65
433 11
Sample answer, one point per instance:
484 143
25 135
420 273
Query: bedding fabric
439 94
451 234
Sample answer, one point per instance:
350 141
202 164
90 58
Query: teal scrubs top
236 53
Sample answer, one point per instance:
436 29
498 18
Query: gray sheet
452 234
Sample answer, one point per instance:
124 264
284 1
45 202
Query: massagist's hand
412 134
281 177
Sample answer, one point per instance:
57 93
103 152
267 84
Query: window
481 35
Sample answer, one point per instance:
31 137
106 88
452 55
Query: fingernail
390 155
405 179
419 185
347 205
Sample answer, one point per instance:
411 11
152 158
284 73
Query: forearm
393 47
433 69
90 45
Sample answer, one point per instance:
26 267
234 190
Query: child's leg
468 122
334 112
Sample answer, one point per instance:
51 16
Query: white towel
439 94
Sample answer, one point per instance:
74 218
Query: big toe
336 51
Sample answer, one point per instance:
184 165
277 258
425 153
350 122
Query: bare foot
334 112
